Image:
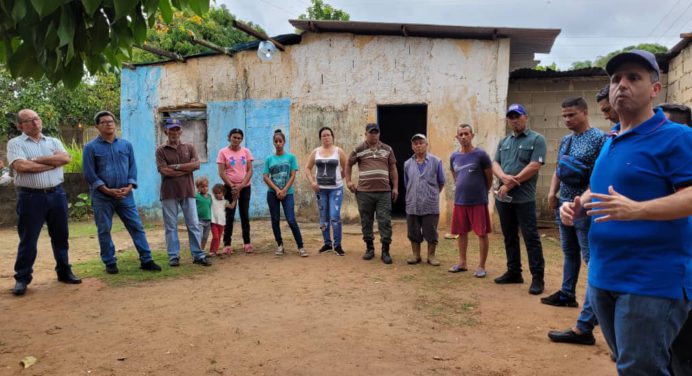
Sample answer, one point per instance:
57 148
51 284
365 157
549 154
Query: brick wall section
74 184
680 78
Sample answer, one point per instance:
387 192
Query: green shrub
75 152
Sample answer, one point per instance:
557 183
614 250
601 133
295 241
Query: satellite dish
266 50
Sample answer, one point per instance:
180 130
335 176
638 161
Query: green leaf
123 8
166 10
99 34
66 28
199 6
79 204
46 7
91 6
139 28
73 73
83 196
19 10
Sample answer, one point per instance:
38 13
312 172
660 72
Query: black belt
40 190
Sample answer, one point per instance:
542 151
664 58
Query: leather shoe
569 336
19 288
537 286
69 277
509 277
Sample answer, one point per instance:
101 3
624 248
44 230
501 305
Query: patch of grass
128 263
447 310
88 228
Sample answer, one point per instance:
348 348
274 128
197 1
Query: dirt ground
265 315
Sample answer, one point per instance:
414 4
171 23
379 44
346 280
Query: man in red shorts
473 175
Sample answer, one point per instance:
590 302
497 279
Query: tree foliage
59 38
551 67
654 48
581 64
321 11
57 104
215 26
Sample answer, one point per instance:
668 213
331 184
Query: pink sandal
228 250
247 248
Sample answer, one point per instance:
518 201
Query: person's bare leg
483 246
462 243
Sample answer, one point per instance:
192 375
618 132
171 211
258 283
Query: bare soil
265 315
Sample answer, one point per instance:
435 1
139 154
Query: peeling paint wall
335 80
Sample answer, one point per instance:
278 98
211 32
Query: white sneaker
303 252
279 250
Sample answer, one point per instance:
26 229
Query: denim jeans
329 203
575 246
639 329
104 206
275 212
33 210
587 319
170 223
512 217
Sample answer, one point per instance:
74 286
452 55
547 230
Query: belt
40 190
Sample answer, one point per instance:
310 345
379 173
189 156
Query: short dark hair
325 129
604 93
279 133
219 188
679 113
234 131
464 125
100 114
577 102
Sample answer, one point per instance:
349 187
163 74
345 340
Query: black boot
386 258
369 250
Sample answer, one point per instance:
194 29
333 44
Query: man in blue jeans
518 158
640 202
176 162
109 168
37 161
582 332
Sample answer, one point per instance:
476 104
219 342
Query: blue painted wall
257 118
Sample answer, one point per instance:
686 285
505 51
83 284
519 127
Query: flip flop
456 269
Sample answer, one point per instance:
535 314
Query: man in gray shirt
518 158
37 161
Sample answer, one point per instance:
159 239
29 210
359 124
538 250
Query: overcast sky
589 27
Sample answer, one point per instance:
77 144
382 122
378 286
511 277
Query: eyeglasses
32 120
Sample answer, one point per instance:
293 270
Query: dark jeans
370 203
104 207
275 212
639 329
682 350
34 209
244 205
515 216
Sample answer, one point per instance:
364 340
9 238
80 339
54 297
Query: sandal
457 268
247 248
228 250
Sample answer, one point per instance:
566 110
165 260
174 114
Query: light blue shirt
24 148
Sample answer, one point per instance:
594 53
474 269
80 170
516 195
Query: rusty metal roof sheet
524 43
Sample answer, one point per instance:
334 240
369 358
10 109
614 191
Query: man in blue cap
176 162
518 158
640 271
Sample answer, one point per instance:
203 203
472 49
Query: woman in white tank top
327 182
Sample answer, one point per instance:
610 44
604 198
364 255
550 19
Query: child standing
218 219
279 174
203 200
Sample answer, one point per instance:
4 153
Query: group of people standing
622 201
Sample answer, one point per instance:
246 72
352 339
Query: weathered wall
542 98
680 78
74 185
335 80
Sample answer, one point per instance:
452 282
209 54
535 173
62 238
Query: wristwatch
176 167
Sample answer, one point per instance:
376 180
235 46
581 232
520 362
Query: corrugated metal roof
524 43
533 73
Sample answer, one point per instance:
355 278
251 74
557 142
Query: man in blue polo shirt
640 274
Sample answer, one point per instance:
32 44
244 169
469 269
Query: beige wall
338 80
680 78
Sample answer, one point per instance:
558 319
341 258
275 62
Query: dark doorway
398 123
